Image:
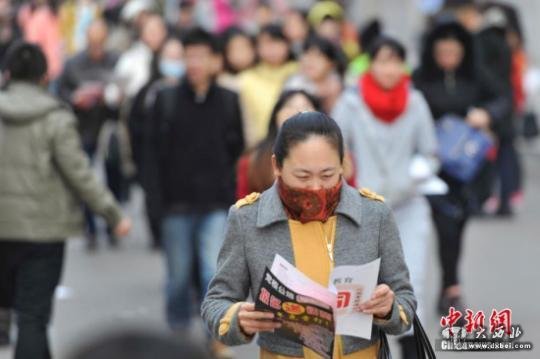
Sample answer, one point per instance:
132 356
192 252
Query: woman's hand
380 304
252 322
478 118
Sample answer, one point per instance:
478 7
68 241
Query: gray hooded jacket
44 174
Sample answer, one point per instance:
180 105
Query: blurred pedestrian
9 29
453 83
297 30
168 69
488 24
126 19
39 22
254 169
328 20
322 67
198 129
239 55
498 57
186 18
133 68
360 64
82 84
387 125
132 72
75 17
260 86
45 174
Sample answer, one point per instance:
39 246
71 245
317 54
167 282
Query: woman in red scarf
389 130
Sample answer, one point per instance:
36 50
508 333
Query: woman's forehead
314 151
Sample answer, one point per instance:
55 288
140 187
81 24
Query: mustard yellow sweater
259 89
311 258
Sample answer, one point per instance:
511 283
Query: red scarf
386 105
308 205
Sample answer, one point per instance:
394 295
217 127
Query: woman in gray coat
315 221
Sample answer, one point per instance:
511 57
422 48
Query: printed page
354 285
304 320
290 276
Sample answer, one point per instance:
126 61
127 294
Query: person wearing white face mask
167 70
172 70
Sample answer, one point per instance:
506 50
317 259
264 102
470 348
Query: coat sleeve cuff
113 215
229 329
398 322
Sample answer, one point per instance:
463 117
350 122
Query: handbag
423 346
462 149
529 128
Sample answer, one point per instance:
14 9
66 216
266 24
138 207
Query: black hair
387 42
368 33
199 36
281 102
460 4
275 31
265 147
186 5
25 62
446 29
329 50
53 5
226 38
511 15
302 126
303 13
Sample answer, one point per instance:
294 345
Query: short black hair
199 36
368 33
331 51
300 127
275 31
460 4
25 62
385 41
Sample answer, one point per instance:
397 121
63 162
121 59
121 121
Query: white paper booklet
349 287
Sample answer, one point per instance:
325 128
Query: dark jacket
199 141
469 86
140 124
79 71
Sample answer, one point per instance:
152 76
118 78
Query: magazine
311 314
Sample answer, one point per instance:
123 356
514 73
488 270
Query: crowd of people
189 106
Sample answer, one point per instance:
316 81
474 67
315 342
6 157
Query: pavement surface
113 290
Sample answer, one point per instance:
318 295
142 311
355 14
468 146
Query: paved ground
112 290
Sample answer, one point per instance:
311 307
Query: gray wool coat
256 232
